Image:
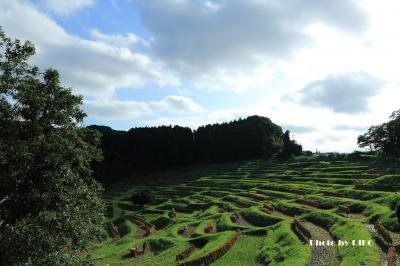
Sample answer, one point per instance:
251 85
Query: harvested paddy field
256 213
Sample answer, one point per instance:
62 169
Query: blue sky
326 70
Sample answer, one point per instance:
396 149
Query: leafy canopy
49 204
144 197
384 138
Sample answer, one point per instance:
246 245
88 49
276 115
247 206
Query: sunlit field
255 213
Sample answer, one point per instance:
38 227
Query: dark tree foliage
398 212
143 197
290 147
384 138
252 137
49 204
155 148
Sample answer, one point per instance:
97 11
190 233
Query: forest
166 147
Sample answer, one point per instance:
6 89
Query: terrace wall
333 194
301 228
214 255
382 231
376 187
309 203
186 253
343 209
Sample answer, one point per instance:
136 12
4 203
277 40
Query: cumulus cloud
123 110
91 67
116 110
127 40
300 129
328 139
176 103
227 37
66 7
344 127
341 93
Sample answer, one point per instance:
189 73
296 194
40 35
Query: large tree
384 138
290 147
49 204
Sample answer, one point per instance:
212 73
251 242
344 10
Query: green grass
344 229
283 247
199 193
386 179
258 218
244 252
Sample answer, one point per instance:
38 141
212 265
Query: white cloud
127 40
342 93
66 7
124 110
351 127
222 49
276 47
301 129
176 103
232 44
116 110
92 68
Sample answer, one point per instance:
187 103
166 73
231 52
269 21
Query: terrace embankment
193 219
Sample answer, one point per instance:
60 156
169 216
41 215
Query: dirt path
322 255
396 239
395 236
381 245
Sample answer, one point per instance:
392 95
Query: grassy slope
283 247
252 183
243 253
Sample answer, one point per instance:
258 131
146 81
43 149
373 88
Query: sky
324 69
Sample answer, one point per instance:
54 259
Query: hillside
277 207
167 147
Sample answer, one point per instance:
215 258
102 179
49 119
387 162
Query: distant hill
157 148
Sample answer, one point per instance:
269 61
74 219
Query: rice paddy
243 214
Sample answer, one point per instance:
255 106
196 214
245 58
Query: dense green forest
50 207
165 147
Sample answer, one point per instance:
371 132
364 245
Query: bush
124 229
160 244
144 197
161 222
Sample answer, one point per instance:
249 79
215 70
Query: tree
398 212
290 147
143 197
49 204
384 138
127 153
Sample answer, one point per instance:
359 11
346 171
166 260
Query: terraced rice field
243 214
